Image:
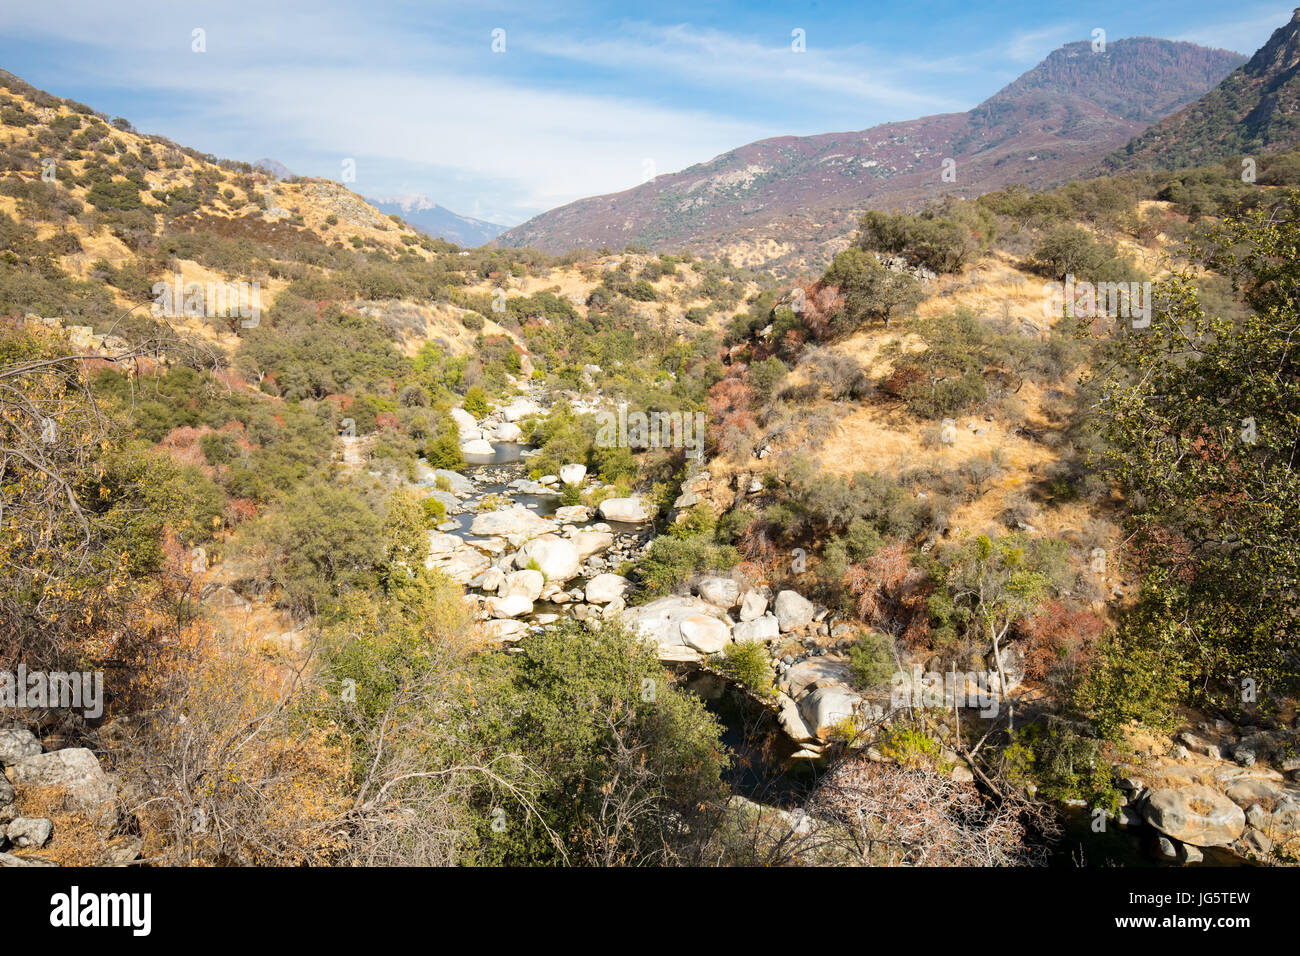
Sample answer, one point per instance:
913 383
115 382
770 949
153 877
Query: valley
801 508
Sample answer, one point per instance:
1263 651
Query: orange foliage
891 594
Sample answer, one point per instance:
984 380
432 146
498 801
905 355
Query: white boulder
633 510
719 591
555 557
793 610
604 588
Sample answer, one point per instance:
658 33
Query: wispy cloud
1243 33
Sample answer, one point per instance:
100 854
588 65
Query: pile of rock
515 558
74 770
815 692
1214 789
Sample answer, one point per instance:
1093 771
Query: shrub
871 660
748 662
476 401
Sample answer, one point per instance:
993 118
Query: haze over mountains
791 201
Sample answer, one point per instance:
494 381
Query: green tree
1203 414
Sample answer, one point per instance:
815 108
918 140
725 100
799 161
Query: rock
719 591
1188 854
1284 824
504 631
589 543
826 707
8 859
1253 790
1166 848
479 447
520 408
792 721
507 432
633 510
660 621
492 580
573 514
793 611
443 545
1195 814
555 557
456 483
573 474
765 628
815 672
74 770
528 583
604 588
753 604
515 522
462 567
225 597
706 634
512 605
16 743
1257 817
1254 844
123 851
465 422
29 832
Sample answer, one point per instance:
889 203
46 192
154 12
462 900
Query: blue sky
586 98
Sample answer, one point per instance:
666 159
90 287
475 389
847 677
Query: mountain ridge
1254 109
790 202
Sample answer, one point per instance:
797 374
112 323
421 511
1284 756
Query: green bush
748 662
871 660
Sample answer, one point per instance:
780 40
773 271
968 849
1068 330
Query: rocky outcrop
516 522
17 743
720 592
573 474
75 771
604 588
1197 814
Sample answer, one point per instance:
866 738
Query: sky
502 110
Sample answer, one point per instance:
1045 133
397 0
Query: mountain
438 221
1256 109
274 168
791 201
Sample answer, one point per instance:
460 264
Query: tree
996 583
1203 414
870 292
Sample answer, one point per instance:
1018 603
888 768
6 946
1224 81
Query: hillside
791 202
1256 109
371 579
